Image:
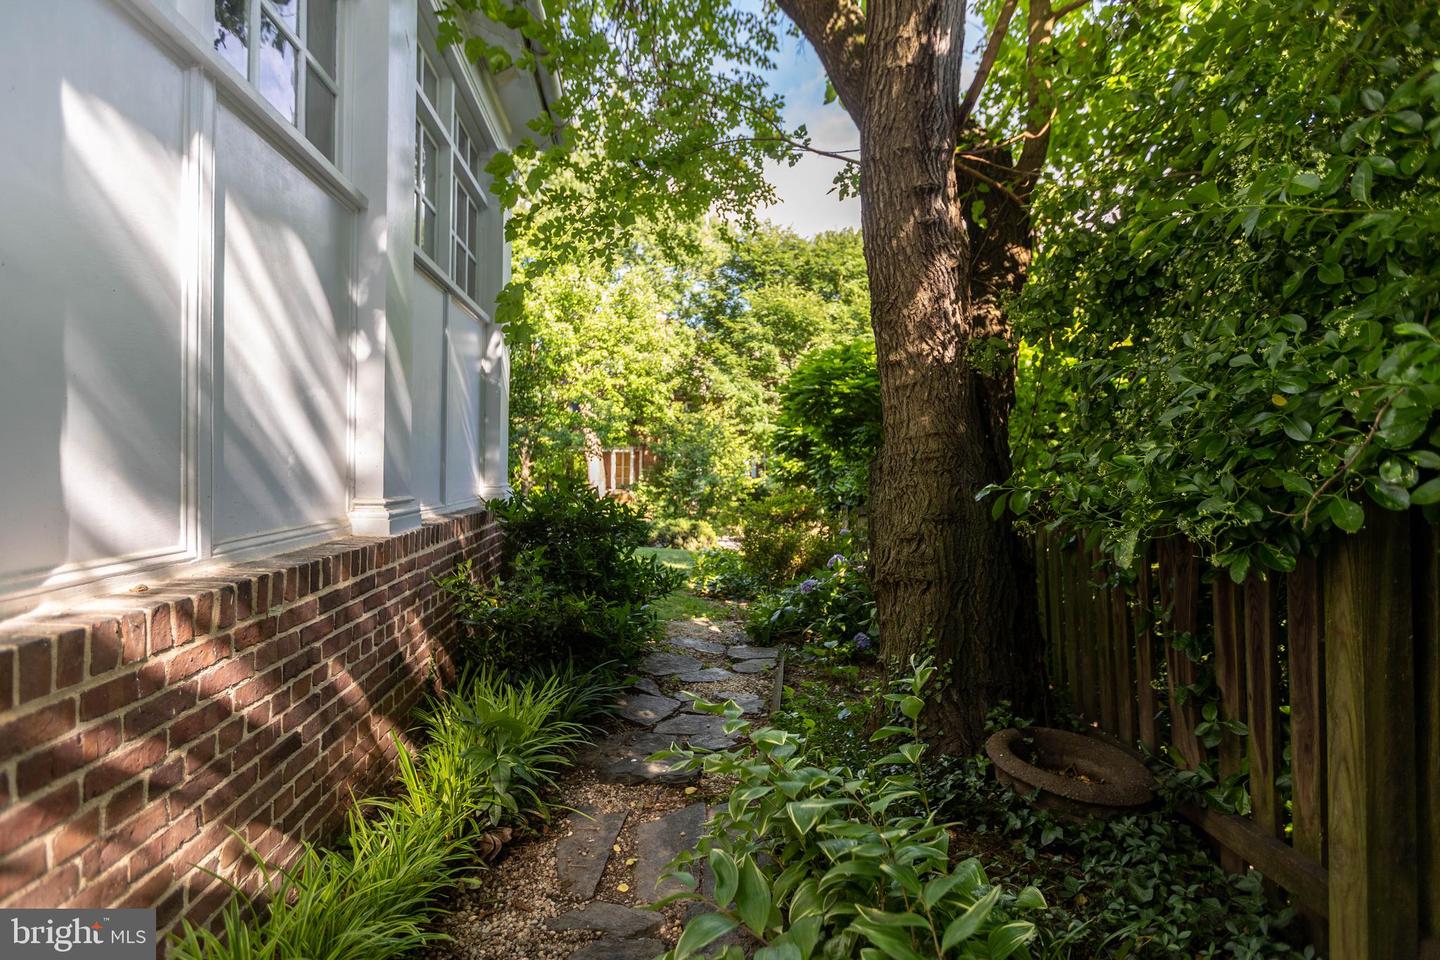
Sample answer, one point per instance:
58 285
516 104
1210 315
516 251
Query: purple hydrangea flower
809 585
862 641
834 561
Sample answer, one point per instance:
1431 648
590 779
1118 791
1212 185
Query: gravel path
578 890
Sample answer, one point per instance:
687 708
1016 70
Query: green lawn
682 604
683 560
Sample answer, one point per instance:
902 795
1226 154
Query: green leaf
1030 898
806 813
752 899
966 925
911 706
727 877
779 951
701 932
1427 493
1346 514
1006 939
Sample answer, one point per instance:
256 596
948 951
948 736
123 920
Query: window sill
180 39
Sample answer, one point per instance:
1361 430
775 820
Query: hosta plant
836 862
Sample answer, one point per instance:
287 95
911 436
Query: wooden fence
1338 661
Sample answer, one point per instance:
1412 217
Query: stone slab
644 709
658 842
669 664
698 645
620 950
709 675
646 685
753 666
612 919
580 858
746 652
621 758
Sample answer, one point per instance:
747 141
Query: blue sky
808 204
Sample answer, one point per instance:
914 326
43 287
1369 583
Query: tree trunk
948 578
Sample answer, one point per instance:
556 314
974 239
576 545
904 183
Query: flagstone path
578 891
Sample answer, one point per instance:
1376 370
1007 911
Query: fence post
1370 692
1230 678
1427 740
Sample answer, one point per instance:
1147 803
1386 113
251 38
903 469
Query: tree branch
836 29
794 145
987 61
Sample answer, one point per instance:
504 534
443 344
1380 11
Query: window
465 218
427 170
287 48
448 160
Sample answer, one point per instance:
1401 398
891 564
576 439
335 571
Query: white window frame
305 60
428 123
460 245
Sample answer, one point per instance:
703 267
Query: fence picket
1180 595
1304 617
1262 687
1146 705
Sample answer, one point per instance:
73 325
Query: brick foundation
137 731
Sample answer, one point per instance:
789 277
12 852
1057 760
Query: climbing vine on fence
1232 321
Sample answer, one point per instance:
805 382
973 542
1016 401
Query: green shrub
492 748
523 620
589 542
724 575
571 588
784 535
837 862
683 533
833 610
829 425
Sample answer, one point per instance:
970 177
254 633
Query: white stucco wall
212 339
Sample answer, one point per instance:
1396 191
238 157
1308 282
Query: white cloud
808 201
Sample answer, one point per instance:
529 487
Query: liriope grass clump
491 749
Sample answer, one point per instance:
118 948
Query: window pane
429 81
277 69
320 33
288 11
232 33
320 114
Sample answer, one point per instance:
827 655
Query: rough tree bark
948 578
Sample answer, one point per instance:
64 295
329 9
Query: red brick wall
137 731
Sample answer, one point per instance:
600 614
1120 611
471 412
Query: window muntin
292 62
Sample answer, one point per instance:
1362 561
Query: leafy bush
724 574
589 542
784 535
838 862
683 533
1235 306
492 748
522 619
829 425
834 610
571 587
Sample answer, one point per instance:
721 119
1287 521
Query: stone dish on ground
1075 774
